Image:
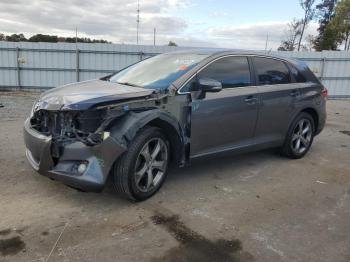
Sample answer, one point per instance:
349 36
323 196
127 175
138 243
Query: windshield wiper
127 84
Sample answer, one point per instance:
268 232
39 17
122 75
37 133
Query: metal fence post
77 64
322 68
18 69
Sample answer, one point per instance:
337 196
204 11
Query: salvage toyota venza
172 108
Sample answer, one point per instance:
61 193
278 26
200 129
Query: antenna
138 21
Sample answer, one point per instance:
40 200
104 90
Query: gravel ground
253 207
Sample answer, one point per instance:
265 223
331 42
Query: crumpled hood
88 94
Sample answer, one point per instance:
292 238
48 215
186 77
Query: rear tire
299 137
142 169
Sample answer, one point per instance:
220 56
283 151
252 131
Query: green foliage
340 24
171 43
43 38
326 39
48 38
15 38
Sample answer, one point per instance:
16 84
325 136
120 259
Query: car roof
214 53
217 52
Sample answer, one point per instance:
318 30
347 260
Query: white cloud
253 36
112 20
115 20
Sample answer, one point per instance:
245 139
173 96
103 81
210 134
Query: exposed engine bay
69 126
92 126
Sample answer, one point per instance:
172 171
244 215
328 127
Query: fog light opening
82 168
105 135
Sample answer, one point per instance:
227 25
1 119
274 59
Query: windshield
157 72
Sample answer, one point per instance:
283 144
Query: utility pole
154 36
76 55
138 22
267 40
76 37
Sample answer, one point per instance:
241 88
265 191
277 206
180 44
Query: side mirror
209 85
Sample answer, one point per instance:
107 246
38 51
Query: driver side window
231 71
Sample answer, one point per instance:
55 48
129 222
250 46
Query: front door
226 119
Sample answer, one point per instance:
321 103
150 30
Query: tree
43 38
292 34
84 40
326 39
49 38
171 43
15 38
309 13
340 24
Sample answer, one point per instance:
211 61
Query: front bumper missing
100 160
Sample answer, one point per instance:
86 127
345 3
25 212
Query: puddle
346 132
193 247
11 246
5 232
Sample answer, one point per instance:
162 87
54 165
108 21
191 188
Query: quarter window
231 71
271 71
299 78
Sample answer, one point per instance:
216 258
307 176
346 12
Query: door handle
250 100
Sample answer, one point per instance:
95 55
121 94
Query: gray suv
172 108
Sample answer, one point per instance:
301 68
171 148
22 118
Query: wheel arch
311 111
133 122
173 136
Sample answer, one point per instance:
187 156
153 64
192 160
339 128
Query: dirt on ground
253 207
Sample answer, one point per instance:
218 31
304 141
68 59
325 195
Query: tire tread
286 149
121 170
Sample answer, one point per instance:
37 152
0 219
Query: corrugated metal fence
45 65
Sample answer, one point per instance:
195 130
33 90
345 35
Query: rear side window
231 71
299 78
271 71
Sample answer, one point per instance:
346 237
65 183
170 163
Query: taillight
325 92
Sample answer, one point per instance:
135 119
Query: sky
206 23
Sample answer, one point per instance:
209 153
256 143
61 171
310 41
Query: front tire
300 136
142 169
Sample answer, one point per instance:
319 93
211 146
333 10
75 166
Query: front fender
126 128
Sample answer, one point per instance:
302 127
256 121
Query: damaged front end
72 146
66 127
79 147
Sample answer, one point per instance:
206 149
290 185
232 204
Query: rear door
225 120
278 97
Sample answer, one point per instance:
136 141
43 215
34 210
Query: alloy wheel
302 135
151 164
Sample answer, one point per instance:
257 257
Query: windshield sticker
183 67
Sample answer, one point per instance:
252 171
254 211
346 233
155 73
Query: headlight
39 104
34 108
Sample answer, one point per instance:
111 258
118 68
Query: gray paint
84 95
197 123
